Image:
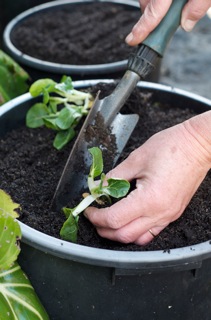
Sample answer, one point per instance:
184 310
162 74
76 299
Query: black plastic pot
38 68
10 8
78 282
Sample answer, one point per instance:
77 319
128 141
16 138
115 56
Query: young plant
61 109
106 188
18 299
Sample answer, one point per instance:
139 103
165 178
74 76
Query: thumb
129 169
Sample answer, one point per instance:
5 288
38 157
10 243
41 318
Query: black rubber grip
143 61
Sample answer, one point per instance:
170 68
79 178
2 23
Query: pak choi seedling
108 188
61 109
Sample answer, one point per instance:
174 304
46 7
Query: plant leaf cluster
18 299
13 79
61 109
104 188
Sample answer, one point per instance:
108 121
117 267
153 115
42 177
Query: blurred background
186 63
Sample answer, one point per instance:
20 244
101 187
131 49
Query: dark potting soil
91 33
30 169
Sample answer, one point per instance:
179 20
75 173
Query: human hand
168 169
153 12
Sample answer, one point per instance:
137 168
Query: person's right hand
168 169
155 10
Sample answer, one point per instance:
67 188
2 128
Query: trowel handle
159 38
155 44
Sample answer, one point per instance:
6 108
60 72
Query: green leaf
63 137
46 96
50 122
117 188
4 97
13 79
7 205
52 106
69 229
77 111
38 87
97 162
34 116
65 119
65 85
14 67
18 300
10 232
67 212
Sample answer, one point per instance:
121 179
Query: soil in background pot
30 169
84 34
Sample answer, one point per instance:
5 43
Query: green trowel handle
144 59
159 38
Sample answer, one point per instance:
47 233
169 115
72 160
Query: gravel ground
187 60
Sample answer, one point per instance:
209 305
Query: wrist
199 128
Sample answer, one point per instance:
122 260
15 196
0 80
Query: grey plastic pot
78 282
38 68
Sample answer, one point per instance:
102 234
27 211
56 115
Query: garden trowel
104 114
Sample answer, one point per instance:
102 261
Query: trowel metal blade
74 177
122 127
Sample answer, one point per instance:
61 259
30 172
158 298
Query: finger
151 17
139 231
140 203
149 235
120 213
193 11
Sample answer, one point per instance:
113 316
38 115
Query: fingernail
129 38
188 25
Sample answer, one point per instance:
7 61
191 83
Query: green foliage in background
18 300
13 79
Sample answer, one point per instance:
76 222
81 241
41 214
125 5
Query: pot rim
186 256
58 67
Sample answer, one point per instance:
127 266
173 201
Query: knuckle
196 13
178 210
168 210
164 208
112 220
153 11
132 158
124 237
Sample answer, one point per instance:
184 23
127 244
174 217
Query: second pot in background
86 39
